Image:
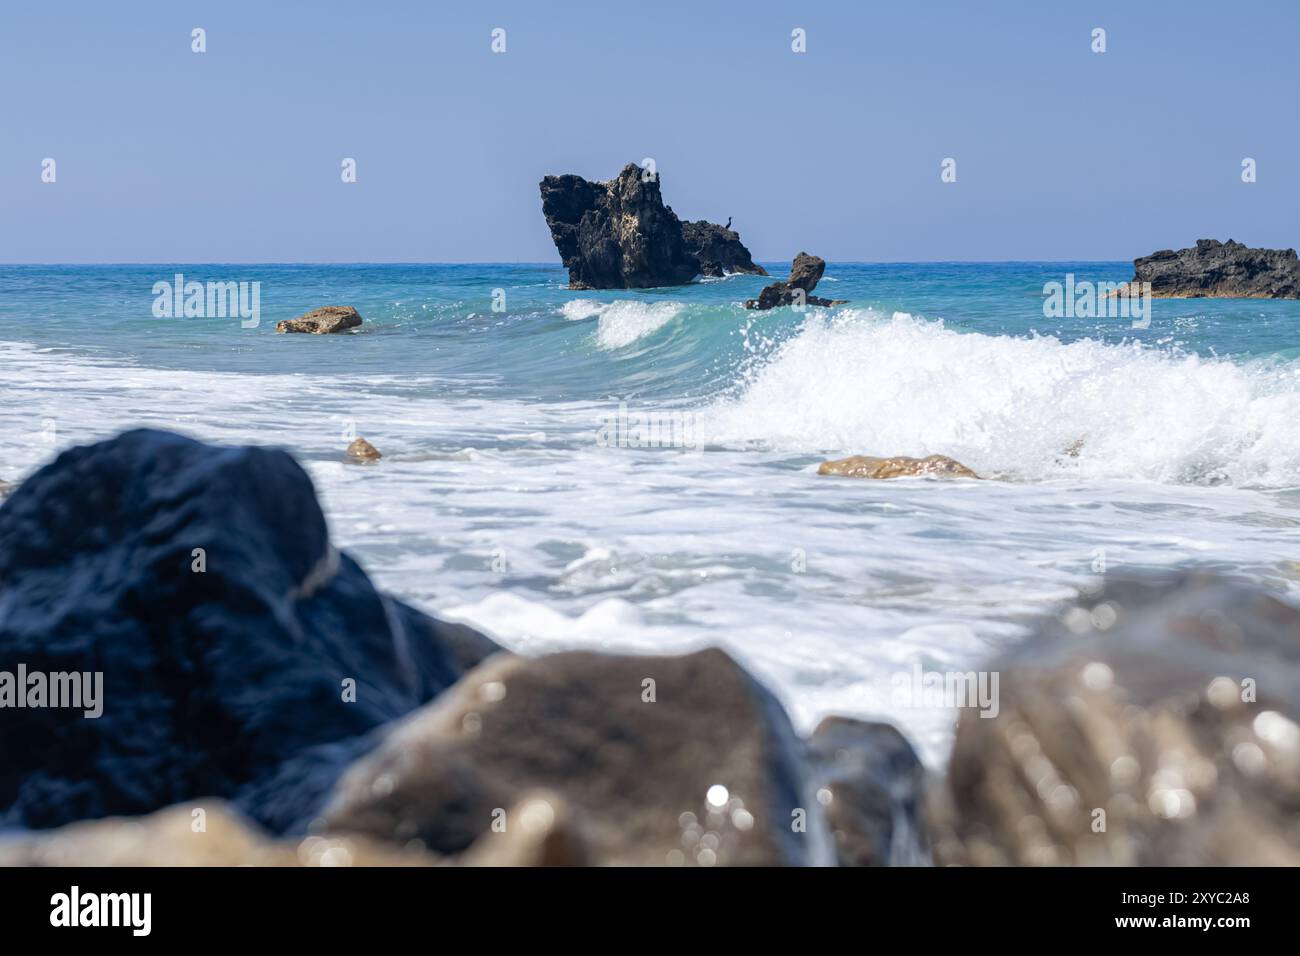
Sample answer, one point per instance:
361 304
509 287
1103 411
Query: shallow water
517 492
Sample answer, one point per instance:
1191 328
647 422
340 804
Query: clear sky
233 155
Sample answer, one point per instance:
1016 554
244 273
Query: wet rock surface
899 466
620 235
709 772
805 272
1155 725
361 450
1221 269
327 320
200 582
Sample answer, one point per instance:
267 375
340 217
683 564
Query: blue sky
234 155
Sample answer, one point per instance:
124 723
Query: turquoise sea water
502 500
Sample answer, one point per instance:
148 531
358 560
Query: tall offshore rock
620 235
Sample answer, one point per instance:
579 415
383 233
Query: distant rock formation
1221 270
323 321
805 272
620 235
201 584
900 466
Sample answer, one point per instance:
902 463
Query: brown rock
709 772
1156 725
168 838
362 450
865 466
805 272
539 831
322 321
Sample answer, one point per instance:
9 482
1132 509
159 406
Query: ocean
636 470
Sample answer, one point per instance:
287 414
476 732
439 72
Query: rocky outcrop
1158 724
805 272
620 235
718 250
323 321
1221 270
865 466
872 785
621 740
242 656
362 451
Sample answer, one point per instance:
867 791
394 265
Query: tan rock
323 321
169 838
698 767
865 466
541 830
1157 725
362 450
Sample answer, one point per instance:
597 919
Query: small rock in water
323 321
362 450
805 272
5 488
865 466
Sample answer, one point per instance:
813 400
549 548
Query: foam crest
1027 407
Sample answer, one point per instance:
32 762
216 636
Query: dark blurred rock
202 583
620 235
805 272
1133 705
876 788
323 321
1221 269
641 781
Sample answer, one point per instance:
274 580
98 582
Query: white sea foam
864 383
622 322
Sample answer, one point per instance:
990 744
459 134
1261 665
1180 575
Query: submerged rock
1221 269
242 656
865 466
805 272
658 760
620 235
1157 725
362 450
323 321
873 788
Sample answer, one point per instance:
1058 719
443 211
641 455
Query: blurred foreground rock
1157 725
699 767
242 656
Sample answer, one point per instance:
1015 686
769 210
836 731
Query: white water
510 515
621 323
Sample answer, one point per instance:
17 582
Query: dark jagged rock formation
202 583
1156 725
620 235
326 320
718 250
805 272
1222 270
